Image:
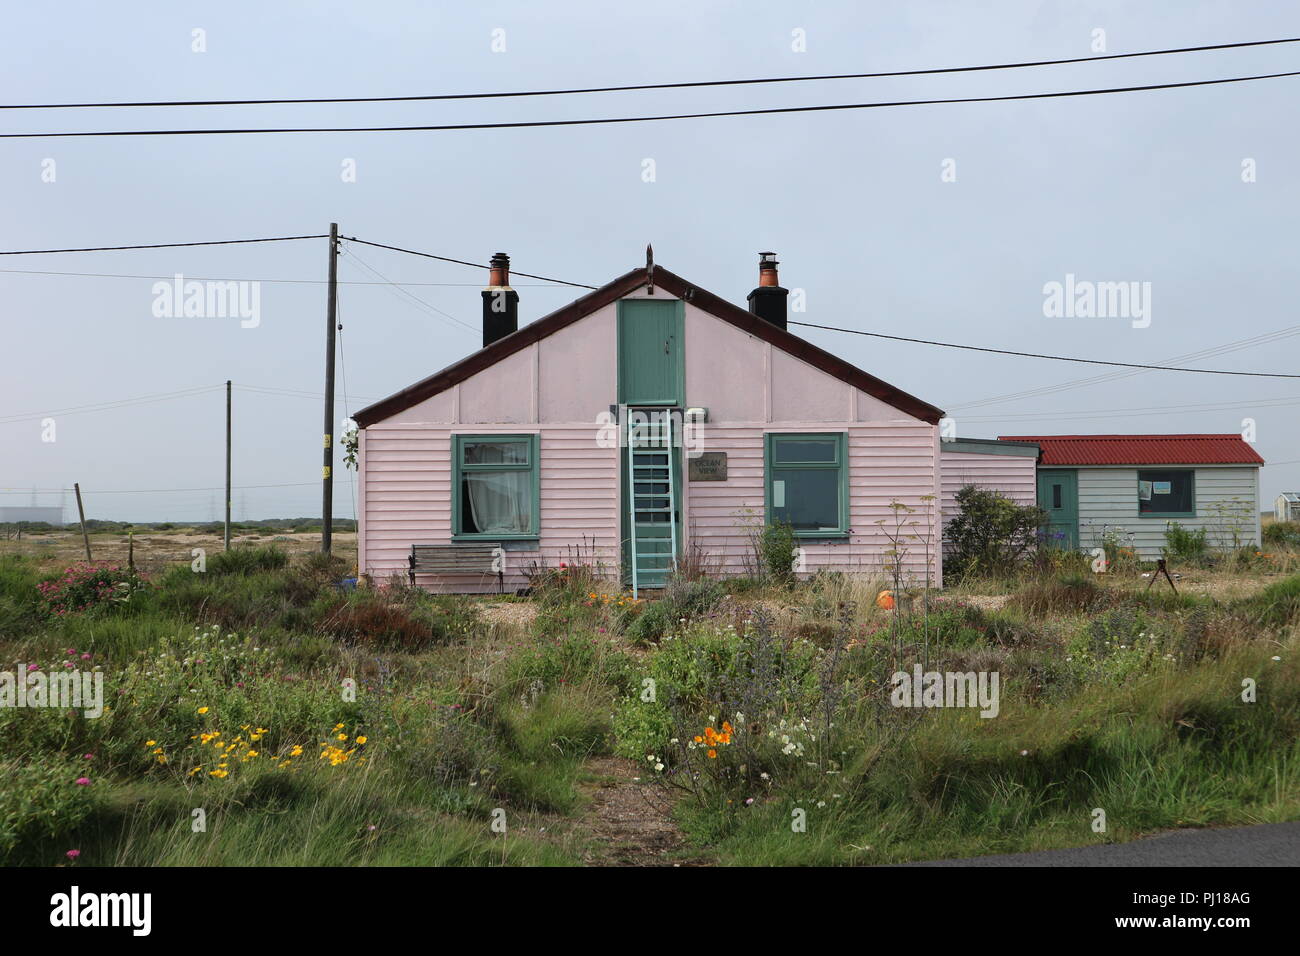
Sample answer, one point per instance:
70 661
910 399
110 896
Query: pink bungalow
646 424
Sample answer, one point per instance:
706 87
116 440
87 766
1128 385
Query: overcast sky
1144 187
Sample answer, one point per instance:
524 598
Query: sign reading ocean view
710 466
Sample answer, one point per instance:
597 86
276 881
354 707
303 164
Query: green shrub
991 534
692 598
776 552
246 561
1182 544
41 799
1282 534
654 621
84 587
683 600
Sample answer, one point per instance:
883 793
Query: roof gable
1058 450
613 291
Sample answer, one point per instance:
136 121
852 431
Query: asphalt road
1268 844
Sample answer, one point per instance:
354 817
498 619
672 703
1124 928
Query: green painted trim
841 463
1167 514
457 444
1077 517
679 337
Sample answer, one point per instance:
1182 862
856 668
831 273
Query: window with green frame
807 482
1166 494
495 492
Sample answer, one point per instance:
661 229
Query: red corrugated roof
1064 450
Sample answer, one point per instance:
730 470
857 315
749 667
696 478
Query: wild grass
1112 697
1178 749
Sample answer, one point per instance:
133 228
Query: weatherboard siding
406 487
1225 500
1015 476
888 462
557 388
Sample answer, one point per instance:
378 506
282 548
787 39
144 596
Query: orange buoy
885 599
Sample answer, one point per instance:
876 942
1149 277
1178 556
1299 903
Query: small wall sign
709 466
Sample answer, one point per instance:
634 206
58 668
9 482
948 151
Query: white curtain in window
501 501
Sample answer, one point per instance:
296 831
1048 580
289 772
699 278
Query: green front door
1058 495
650 369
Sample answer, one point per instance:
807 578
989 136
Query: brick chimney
500 302
768 301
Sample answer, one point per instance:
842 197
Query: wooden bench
455 559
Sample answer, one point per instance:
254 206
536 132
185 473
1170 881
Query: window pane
809 499
496 452
788 451
1164 492
497 502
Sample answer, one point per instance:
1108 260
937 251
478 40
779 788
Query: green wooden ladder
652 501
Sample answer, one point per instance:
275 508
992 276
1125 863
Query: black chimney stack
768 300
500 302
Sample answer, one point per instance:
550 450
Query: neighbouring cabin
646 424
1130 488
1287 506
1007 467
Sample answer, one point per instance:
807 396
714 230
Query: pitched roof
1229 449
613 291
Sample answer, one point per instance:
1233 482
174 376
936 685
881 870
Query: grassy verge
257 714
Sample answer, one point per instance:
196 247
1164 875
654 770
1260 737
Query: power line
462 262
156 245
1131 412
126 275
120 403
294 392
155 491
1039 355
1044 390
427 307
649 86
608 120
111 405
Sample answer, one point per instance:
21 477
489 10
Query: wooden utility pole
228 465
331 323
81 512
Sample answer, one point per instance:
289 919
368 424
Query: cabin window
1167 493
807 482
495 487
